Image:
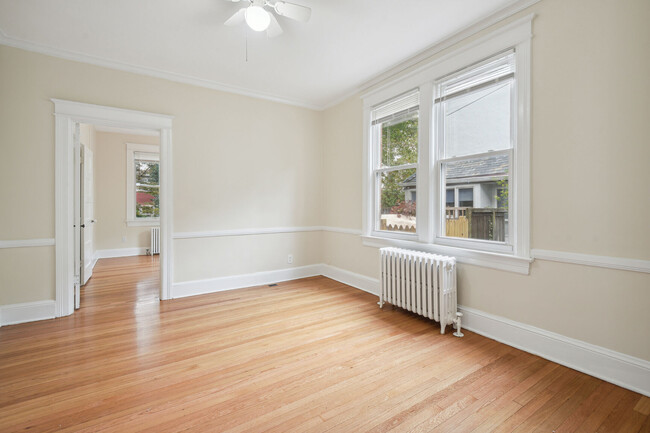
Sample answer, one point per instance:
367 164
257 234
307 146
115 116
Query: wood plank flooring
311 355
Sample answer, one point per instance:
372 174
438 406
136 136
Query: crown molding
453 39
427 53
467 31
147 71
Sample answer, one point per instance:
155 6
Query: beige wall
590 177
239 162
110 193
87 135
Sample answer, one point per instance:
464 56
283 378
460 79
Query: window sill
504 262
143 223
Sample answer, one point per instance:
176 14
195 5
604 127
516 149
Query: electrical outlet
123 238
290 258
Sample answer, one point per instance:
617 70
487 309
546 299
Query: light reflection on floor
136 282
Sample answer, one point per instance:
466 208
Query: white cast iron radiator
155 241
422 283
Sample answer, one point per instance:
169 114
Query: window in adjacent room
143 184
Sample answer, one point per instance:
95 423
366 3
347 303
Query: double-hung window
447 155
474 127
395 134
143 184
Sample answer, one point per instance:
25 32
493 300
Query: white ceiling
314 64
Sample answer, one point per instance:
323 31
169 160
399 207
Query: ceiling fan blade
237 18
293 11
274 28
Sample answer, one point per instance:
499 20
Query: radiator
155 241
422 283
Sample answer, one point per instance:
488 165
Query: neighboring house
470 183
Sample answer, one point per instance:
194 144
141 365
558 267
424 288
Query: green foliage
502 193
392 192
399 145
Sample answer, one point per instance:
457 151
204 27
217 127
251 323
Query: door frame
67 114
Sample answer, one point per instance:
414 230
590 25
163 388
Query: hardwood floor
310 355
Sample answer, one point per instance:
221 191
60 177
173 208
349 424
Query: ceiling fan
259 18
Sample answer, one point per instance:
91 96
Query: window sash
505 72
406 103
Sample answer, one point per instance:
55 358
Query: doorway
72 212
118 207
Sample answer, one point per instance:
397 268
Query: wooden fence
458 227
476 223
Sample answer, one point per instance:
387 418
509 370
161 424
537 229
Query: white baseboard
620 369
367 284
120 252
615 367
26 312
220 284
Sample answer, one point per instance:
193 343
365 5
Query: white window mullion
425 197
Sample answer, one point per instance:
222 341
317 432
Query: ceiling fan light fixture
257 18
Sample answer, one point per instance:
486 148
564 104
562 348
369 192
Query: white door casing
76 145
67 113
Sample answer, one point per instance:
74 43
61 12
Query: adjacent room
310 216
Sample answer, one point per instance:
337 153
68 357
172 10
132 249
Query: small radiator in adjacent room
155 241
422 283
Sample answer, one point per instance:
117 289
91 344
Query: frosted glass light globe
257 18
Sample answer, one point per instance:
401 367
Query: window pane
478 121
450 202
466 197
147 189
483 208
397 204
399 140
147 172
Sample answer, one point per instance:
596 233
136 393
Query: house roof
144 197
471 169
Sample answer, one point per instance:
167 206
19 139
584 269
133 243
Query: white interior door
87 214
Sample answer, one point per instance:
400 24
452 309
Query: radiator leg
458 332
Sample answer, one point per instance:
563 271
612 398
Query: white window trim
515 35
131 149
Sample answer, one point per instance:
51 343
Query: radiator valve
458 332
